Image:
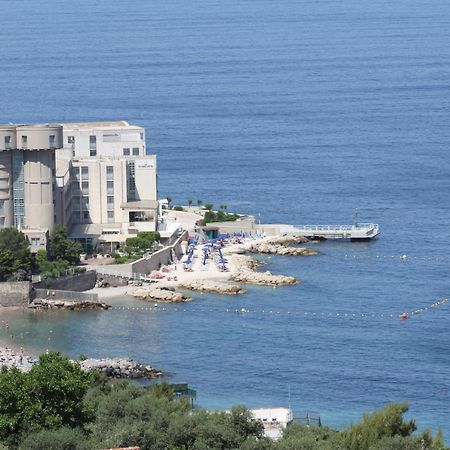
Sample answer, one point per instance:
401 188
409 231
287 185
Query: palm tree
169 201
189 203
199 202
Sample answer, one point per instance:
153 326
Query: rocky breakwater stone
119 368
264 278
245 273
160 295
279 249
212 287
284 240
60 304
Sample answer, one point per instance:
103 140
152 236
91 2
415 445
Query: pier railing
359 226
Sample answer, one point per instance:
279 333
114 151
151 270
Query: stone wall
114 281
78 282
15 293
54 294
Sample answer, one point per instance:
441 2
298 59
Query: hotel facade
93 177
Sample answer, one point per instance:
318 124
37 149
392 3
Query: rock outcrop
119 368
212 287
160 295
65 304
279 249
285 240
245 273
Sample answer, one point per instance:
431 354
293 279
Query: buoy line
243 311
398 257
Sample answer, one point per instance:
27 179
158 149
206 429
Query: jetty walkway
358 231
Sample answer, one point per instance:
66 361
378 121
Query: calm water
298 111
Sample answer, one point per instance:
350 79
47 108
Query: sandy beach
211 268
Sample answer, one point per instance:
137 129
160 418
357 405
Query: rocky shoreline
64 304
279 249
160 295
119 368
212 287
111 367
245 273
13 358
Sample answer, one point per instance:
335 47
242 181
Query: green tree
209 206
48 397
387 422
61 439
52 269
14 252
190 203
169 201
143 241
62 248
199 203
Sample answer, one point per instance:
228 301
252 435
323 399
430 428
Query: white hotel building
95 178
106 183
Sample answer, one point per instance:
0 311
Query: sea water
295 112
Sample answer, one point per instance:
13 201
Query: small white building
274 420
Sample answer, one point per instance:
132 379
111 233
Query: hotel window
135 151
110 202
51 141
35 241
85 215
142 136
131 181
24 142
2 222
109 173
93 145
76 202
71 139
2 205
110 187
85 187
85 173
110 216
126 152
84 202
7 142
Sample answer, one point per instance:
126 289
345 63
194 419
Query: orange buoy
404 316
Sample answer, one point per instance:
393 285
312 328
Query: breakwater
119 368
159 295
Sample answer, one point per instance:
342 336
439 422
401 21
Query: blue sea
296 112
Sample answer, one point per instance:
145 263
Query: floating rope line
271 312
399 257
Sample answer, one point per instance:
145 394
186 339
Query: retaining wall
78 282
144 266
54 294
15 293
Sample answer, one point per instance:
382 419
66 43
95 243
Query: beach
214 266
